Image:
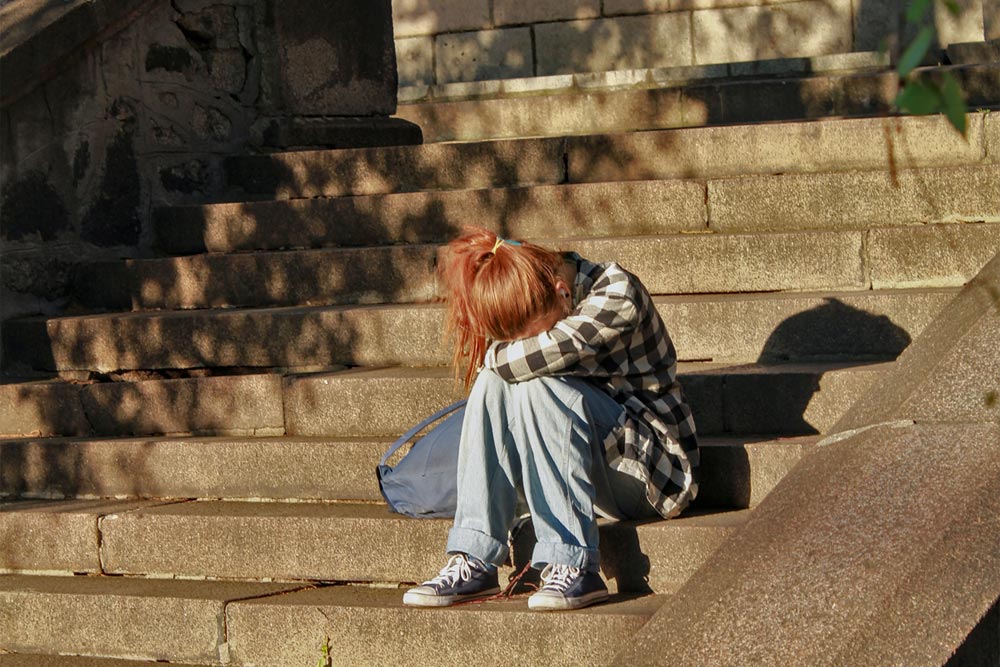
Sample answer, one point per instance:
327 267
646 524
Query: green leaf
953 102
953 8
916 10
919 99
916 51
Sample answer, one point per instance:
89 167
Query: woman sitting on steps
574 401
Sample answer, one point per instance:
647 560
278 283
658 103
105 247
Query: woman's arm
598 326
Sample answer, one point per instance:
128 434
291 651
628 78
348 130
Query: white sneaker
463 578
565 587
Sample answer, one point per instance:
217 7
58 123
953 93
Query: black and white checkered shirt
615 337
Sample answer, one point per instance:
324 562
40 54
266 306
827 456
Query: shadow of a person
831 332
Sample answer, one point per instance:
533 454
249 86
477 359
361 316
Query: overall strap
403 439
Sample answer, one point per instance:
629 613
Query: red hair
493 291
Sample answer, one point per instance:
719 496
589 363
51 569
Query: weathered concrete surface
734 263
644 77
42 409
398 169
394 274
751 203
689 99
238 405
101 616
710 152
490 54
609 44
517 12
363 626
673 264
736 472
933 256
336 133
38 660
415 61
854 552
795 147
321 541
642 207
808 201
792 399
790 29
855 325
429 17
740 472
937 256
974 52
952 372
54 536
771 328
591 37
863 498
191 467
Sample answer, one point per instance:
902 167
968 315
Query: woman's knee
546 396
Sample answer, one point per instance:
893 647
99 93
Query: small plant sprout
324 659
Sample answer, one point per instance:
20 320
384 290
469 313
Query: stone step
938 255
363 626
329 541
175 621
736 472
711 152
61 537
40 660
879 198
234 405
700 101
436 43
729 327
642 78
242 624
786 399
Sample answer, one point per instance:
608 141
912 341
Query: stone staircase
188 455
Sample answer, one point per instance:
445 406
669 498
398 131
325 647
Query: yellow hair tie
501 241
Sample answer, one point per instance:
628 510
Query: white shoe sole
416 599
558 603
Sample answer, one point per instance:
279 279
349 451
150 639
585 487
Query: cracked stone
227 69
211 123
186 178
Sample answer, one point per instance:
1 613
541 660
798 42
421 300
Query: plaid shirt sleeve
596 329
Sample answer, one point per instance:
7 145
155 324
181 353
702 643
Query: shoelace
559 577
458 568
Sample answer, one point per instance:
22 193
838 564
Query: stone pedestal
329 76
330 58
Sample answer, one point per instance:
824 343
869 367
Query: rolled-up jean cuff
478 544
586 559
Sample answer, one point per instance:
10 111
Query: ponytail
493 288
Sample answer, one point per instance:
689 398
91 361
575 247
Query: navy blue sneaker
565 587
463 578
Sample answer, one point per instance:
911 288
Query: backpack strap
403 439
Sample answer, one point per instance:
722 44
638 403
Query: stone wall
446 41
141 111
